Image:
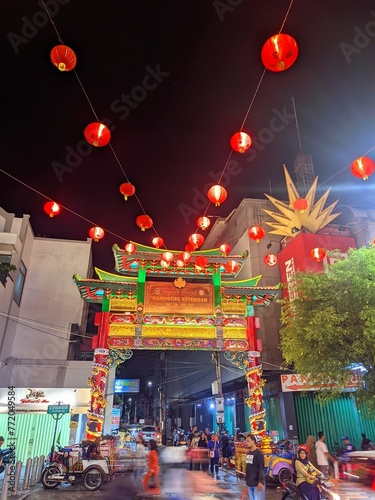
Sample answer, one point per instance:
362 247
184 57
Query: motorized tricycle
69 466
279 465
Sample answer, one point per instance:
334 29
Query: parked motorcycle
68 467
324 484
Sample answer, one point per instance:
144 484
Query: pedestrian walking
140 458
151 478
255 478
214 452
323 456
310 443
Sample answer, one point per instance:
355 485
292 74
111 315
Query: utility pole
219 407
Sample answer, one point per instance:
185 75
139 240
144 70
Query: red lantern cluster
363 167
256 233
157 242
52 208
203 222
127 189
317 254
144 222
97 134
240 142
217 194
300 205
96 233
63 58
279 52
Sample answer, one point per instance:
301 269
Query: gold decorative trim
173 332
121 330
234 333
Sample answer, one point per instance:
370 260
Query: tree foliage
330 325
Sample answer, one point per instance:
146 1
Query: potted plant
5 269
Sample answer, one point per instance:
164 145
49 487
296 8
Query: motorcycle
69 466
325 486
5 455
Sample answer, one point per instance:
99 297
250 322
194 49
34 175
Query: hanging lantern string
249 107
62 206
347 166
286 16
97 119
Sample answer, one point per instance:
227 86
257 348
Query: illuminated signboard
127 385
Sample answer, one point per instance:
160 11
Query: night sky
175 80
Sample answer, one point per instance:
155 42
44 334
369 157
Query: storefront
24 419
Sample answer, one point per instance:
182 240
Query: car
358 466
149 432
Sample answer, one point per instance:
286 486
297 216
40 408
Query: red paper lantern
180 263
168 256
256 233
217 194
144 222
127 189
317 254
300 205
52 208
185 257
225 249
203 222
96 233
63 58
157 242
97 134
201 261
231 266
130 248
189 248
164 263
196 240
240 142
363 167
270 259
279 52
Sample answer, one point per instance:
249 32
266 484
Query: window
18 287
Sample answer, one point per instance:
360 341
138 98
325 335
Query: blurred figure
214 453
140 457
203 453
366 443
323 455
224 449
348 445
152 466
310 443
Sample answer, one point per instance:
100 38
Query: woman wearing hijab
310 442
306 473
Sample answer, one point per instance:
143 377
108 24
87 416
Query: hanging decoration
231 266
240 142
63 57
185 257
180 263
96 233
196 240
279 52
158 242
203 222
52 208
201 261
300 205
317 254
270 259
97 134
164 263
256 233
168 257
189 248
130 248
225 249
144 222
363 167
217 194
127 189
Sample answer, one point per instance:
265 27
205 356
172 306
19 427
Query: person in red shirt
152 466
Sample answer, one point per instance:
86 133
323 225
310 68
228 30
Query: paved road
227 488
